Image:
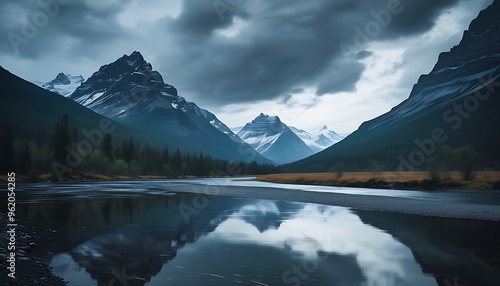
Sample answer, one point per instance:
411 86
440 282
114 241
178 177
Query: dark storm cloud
200 18
36 27
284 45
363 55
416 17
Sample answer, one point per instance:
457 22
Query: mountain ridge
63 84
447 101
129 91
319 141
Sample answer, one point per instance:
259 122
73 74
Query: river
244 232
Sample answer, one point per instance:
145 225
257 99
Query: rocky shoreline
29 270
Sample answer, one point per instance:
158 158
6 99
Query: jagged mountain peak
265 124
63 84
266 117
127 85
136 60
62 78
480 39
317 141
65 79
274 139
129 91
468 67
133 64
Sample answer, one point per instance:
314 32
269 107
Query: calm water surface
118 233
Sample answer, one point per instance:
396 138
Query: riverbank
483 180
91 176
29 270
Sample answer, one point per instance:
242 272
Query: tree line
34 157
464 159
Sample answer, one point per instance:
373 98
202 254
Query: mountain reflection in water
176 239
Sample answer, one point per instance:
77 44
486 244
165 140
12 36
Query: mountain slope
132 93
33 111
63 84
274 140
456 104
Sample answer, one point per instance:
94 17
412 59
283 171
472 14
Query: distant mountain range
315 141
456 104
129 91
319 141
63 84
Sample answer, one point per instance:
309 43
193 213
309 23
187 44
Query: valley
247 143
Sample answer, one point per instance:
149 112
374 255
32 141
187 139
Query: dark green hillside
386 143
32 112
457 104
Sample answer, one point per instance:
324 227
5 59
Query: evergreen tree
165 156
185 170
118 153
107 146
61 139
128 150
25 163
7 149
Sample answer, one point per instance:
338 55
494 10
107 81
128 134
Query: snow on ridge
318 141
92 98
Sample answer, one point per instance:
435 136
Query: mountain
456 104
63 84
274 140
320 141
132 93
329 134
33 111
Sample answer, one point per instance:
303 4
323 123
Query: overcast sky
333 62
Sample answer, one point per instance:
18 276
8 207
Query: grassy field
406 180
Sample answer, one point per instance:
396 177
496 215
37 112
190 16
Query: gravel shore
29 270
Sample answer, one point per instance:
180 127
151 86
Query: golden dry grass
482 180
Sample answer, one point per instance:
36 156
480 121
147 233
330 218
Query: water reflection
449 249
318 230
148 240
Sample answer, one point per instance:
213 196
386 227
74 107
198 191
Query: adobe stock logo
222 7
39 19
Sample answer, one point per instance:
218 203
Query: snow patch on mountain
64 84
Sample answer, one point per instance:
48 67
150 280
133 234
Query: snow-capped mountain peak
129 91
274 140
64 84
319 141
127 86
331 135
